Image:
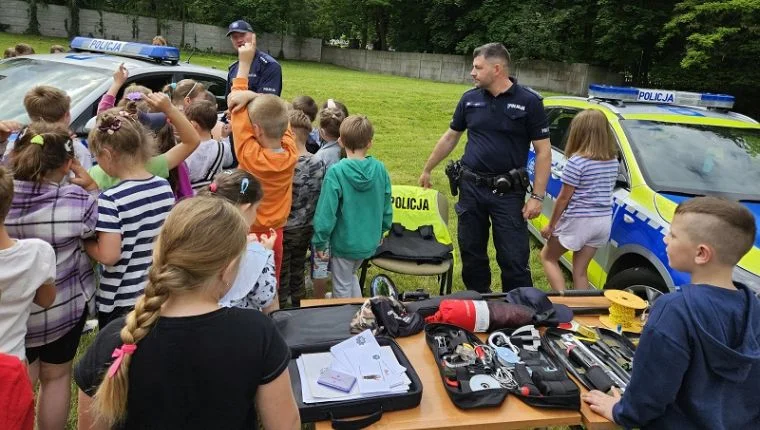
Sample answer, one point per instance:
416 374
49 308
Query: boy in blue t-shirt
698 360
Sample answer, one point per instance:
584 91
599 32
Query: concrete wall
53 21
545 75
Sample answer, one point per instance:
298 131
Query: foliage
673 43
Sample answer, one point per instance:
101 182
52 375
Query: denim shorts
575 233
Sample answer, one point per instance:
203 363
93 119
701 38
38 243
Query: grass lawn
409 115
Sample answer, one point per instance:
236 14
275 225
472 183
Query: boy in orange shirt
265 146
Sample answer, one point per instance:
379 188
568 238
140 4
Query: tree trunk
381 30
73 29
184 17
34 23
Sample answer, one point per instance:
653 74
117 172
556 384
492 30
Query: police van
86 72
673 145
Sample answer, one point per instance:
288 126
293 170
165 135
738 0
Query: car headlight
747 278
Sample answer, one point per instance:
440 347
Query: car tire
637 277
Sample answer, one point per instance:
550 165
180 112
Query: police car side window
559 126
217 86
155 82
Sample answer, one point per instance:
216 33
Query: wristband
536 197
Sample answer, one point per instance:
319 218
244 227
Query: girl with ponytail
130 214
178 360
257 286
62 214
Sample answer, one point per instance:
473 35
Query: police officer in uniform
502 118
266 74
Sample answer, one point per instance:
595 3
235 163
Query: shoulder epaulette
534 92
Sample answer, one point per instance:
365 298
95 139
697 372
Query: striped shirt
208 160
61 216
593 181
136 209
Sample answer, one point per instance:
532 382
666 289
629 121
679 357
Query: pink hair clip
212 187
119 354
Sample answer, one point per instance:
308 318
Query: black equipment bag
303 327
461 394
542 380
612 349
317 329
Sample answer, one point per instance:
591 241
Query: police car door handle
628 219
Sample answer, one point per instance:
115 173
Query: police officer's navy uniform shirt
265 76
500 129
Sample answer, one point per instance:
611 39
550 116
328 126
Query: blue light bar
168 54
647 95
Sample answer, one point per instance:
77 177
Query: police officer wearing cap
266 74
502 118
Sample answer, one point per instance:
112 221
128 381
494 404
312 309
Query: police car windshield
19 75
697 159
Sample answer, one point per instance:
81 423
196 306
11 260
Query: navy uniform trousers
477 210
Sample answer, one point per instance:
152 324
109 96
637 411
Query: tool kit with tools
479 373
599 360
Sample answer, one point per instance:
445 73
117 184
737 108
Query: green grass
409 115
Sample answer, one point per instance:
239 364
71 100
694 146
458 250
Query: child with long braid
179 360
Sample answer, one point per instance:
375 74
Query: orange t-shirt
274 169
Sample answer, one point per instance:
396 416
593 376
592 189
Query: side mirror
622 180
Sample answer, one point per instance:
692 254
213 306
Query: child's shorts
575 233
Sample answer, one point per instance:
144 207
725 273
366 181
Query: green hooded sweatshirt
354 209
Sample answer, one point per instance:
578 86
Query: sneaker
328 295
90 325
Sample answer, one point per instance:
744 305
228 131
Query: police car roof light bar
657 96
160 54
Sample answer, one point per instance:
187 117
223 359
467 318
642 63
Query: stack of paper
376 369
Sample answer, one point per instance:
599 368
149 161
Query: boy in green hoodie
354 208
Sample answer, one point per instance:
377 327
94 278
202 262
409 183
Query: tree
34 23
627 34
715 46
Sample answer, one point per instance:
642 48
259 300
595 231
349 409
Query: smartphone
337 380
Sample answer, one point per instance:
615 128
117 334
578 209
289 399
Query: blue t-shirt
594 181
265 76
500 129
136 209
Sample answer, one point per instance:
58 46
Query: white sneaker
328 295
90 325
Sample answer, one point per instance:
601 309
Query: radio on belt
159 54
658 96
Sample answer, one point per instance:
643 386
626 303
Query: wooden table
436 411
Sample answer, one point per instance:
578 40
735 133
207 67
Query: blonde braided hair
200 238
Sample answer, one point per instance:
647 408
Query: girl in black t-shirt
178 360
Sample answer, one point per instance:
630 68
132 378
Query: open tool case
475 375
599 363
317 329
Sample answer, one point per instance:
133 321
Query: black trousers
479 209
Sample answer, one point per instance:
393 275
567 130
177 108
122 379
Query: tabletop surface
436 409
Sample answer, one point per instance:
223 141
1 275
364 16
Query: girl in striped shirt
582 216
131 213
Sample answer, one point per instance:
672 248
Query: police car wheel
639 280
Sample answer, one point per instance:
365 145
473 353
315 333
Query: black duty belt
514 181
